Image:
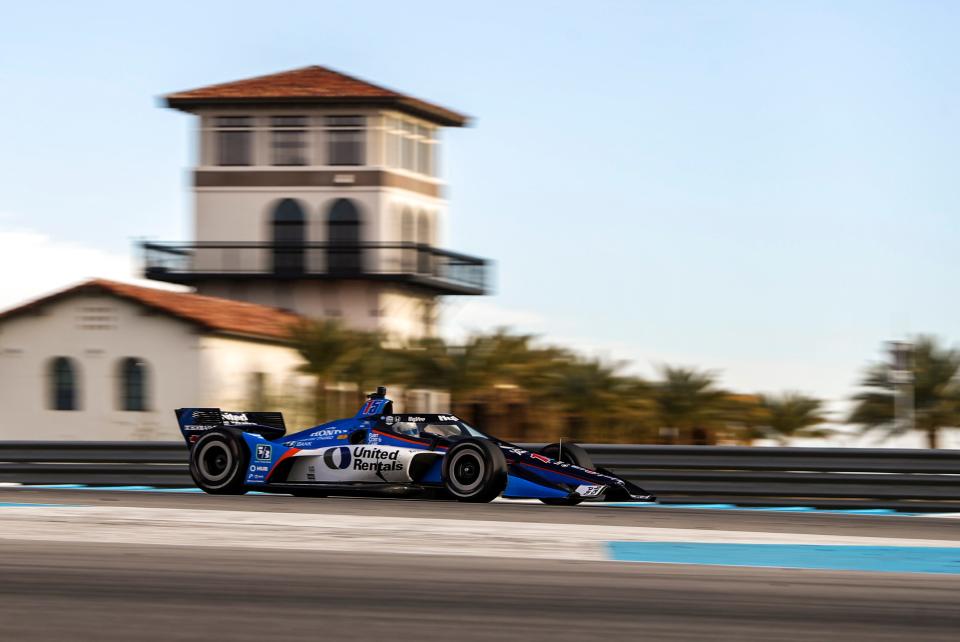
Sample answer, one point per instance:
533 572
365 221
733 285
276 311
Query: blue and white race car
381 452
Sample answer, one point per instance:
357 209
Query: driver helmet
407 428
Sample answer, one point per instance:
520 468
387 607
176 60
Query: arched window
343 236
408 226
408 234
133 384
424 259
289 231
63 384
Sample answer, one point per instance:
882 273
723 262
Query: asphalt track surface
96 591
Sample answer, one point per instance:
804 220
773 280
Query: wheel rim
466 471
215 461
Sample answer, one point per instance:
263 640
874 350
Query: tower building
319 193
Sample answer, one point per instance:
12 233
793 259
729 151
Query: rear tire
568 454
218 463
475 470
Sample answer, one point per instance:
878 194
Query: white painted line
362 534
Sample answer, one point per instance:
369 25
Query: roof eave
433 113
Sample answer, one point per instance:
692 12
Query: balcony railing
418 264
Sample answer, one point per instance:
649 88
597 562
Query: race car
381 452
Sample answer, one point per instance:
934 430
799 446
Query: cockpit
427 426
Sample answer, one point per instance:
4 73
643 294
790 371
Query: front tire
475 470
568 454
218 463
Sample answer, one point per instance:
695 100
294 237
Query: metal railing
416 263
920 480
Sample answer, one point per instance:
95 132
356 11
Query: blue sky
768 189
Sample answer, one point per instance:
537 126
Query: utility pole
901 376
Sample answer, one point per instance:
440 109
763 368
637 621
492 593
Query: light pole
901 376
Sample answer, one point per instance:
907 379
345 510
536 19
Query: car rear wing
194 422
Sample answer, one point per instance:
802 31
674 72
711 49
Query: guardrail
922 480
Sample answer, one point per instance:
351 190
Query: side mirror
358 437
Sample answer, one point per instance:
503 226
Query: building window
344 251
289 229
63 384
394 136
234 140
289 140
133 384
410 146
346 140
424 151
408 236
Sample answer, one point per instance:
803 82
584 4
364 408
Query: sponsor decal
373 406
264 452
447 418
389 419
365 458
343 436
234 416
373 437
564 466
362 458
300 443
589 491
327 432
337 458
414 419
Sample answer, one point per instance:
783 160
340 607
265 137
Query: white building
315 195
111 361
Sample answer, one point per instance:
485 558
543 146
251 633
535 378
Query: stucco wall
227 367
96 331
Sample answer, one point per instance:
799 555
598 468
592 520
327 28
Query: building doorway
289 235
344 253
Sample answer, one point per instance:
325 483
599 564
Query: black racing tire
475 470
568 453
218 463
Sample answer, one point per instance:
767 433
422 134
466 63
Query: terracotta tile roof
310 85
212 313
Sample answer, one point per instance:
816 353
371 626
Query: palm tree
368 364
936 393
585 391
477 364
433 363
689 402
326 347
791 415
